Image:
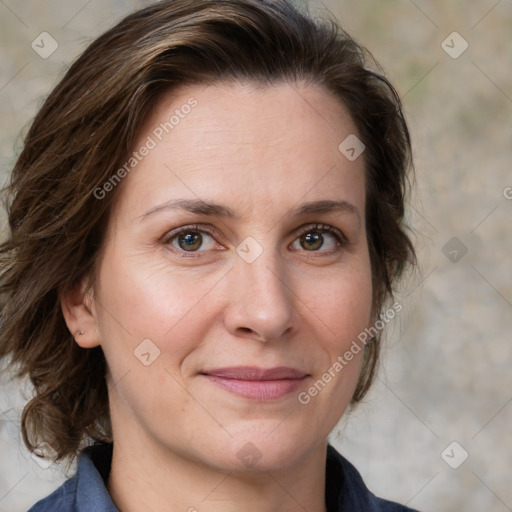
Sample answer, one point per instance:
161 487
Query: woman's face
214 336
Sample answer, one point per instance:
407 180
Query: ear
77 304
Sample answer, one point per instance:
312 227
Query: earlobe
77 305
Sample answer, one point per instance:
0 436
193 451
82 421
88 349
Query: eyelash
196 228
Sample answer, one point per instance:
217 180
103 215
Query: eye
320 236
190 239
312 238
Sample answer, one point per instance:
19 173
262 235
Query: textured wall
445 376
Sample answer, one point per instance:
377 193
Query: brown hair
87 127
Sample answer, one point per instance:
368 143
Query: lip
257 383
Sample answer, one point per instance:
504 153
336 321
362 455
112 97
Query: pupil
313 241
190 241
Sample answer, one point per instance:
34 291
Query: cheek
344 306
342 312
149 310
142 301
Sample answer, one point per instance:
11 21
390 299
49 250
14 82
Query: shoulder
346 490
86 490
62 499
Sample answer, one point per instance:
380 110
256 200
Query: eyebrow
217 210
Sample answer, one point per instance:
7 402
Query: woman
206 227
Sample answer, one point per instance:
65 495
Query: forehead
245 144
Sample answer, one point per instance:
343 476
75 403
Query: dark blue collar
345 490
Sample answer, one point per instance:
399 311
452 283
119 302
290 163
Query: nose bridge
267 278
262 301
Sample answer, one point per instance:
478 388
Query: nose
262 304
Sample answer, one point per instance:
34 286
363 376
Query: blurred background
435 432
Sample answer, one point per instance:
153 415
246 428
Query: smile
257 383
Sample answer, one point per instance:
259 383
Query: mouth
257 383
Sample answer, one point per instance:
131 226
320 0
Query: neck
147 476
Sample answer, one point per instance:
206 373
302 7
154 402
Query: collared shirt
345 490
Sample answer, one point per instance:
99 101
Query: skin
261 152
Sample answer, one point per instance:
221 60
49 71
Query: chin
263 448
